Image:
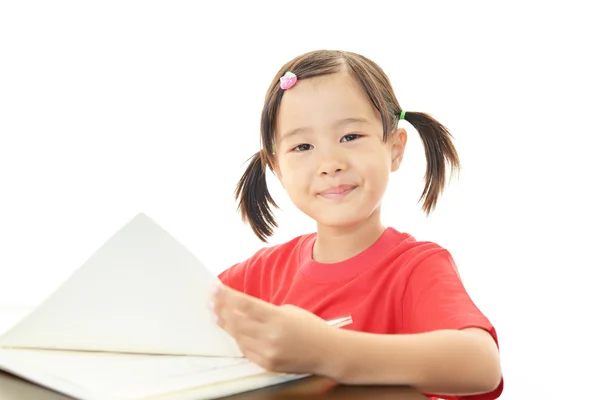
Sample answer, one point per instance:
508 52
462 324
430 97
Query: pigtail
254 199
439 151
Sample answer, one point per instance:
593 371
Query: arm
443 345
448 362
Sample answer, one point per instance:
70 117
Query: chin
339 221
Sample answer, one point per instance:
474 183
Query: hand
278 338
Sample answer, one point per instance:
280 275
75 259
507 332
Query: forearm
442 362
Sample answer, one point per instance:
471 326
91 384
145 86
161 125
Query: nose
331 161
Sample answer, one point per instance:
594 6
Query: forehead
318 102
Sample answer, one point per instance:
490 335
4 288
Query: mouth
337 192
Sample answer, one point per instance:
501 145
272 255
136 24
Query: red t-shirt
396 286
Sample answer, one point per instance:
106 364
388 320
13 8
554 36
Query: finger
215 304
220 303
237 314
254 350
242 327
257 309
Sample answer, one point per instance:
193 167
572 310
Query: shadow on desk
13 388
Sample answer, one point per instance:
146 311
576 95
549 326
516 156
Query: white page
130 376
229 388
111 376
141 292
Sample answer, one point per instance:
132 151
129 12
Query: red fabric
397 286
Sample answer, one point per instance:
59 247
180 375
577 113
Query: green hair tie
402 114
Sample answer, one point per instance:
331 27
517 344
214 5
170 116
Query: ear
398 143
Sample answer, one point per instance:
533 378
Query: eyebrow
337 124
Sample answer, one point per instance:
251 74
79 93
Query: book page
129 376
141 292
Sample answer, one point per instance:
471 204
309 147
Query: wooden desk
322 388
13 388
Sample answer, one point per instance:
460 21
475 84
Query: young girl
330 133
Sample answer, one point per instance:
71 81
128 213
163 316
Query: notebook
132 323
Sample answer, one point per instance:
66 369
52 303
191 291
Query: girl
330 134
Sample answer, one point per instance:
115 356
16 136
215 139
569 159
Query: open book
132 323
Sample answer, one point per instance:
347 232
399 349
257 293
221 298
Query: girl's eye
302 147
350 137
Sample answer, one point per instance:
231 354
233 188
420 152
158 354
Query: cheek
378 174
294 175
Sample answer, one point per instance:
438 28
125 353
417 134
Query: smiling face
330 154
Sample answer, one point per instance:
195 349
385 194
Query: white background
114 108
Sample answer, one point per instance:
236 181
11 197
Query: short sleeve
234 276
435 299
245 276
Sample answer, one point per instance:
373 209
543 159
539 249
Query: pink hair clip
288 80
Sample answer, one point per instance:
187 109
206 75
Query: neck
335 244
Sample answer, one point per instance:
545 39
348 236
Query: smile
337 192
